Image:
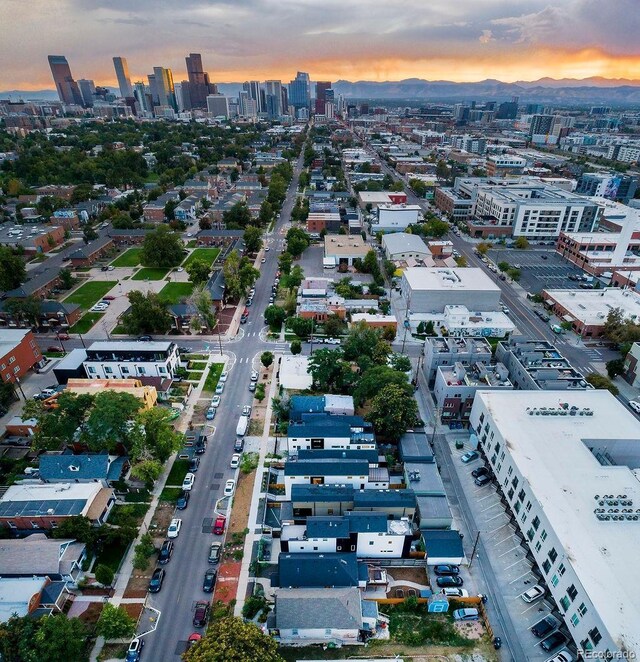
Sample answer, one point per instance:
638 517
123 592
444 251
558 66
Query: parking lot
507 557
539 269
311 263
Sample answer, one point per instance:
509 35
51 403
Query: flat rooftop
591 307
129 346
552 453
448 279
344 244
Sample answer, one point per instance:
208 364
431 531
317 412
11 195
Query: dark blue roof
326 467
414 447
321 493
370 455
327 426
443 544
67 467
51 592
377 498
366 522
327 527
305 404
318 570
40 508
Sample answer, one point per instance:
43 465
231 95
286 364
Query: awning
567 318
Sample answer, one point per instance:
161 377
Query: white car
635 405
235 461
533 594
254 376
223 376
187 483
220 388
563 656
174 528
455 592
230 487
246 410
215 401
263 260
180 269
266 248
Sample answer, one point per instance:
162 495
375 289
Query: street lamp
20 388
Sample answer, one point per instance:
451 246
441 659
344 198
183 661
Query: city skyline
266 40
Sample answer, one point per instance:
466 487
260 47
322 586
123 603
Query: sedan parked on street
209 581
155 583
187 483
174 528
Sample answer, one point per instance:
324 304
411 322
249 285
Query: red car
64 336
219 524
194 638
54 348
109 297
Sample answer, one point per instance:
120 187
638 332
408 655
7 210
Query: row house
321 431
125 359
89 254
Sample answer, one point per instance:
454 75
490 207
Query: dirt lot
161 519
134 609
139 582
417 575
241 504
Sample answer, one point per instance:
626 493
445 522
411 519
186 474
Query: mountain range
565 91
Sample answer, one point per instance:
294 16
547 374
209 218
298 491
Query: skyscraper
321 98
87 90
122 73
68 90
163 82
300 91
253 88
199 84
273 98
141 96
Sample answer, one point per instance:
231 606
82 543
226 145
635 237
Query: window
586 645
510 494
530 534
546 566
536 523
92 370
371 542
124 370
142 371
517 507
16 370
481 419
564 603
515 483
554 581
595 636
161 369
582 609
315 549
108 370
521 495
501 455
528 507
12 359
523 517
498 447
538 546
543 535
575 620
572 592
510 471
561 569
553 555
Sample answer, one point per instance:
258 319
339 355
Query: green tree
334 326
296 347
301 326
400 362
266 358
108 422
435 228
89 234
389 268
143 551
330 372
147 314
297 241
370 263
202 303
514 274
275 316
17 636
284 261
147 471
615 368
418 187
238 216
77 527
374 379
12 269
503 266
25 309
392 412
265 216
115 623
153 436
521 243
162 248
66 279
601 382
170 209
294 279
104 574
60 638
233 640
461 261
252 239
259 392
442 170
483 247
365 342
198 271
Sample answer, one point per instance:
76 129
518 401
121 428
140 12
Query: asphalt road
182 587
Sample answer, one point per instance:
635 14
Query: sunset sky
459 40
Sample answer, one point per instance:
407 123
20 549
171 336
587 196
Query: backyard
89 293
150 273
175 292
130 258
206 254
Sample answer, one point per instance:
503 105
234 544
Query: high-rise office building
218 105
541 125
253 88
300 91
122 73
87 90
183 95
141 95
68 90
321 99
199 84
273 98
163 84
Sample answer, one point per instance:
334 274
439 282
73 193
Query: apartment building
326 431
19 352
395 218
441 351
565 466
537 365
107 359
501 165
612 185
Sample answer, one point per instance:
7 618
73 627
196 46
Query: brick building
18 353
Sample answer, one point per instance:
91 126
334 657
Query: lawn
207 254
212 378
86 322
150 273
112 554
170 494
89 293
178 472
130 258
129 513
174 292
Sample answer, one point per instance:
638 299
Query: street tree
232 639
162 248
435 228
334 326
265 215
115 623
296 347
363 341
205 312
301 326
418 187
392 412
252 239
275 316
601 382
297 241
109 420
153 436
147 471
66 279
294 279
284 261
198 271
330 372
266 358
89 234
12 269
400 362
483 247
204 223
521 243
25 309
147 314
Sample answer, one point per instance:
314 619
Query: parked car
165 552
553 642
562 656
211 414
214 552
533 594
155 583
635 405
174 528
235 461
254 375
249 302
187 483
219 524
215 401
135 650
455 592
109 297
224 375
105 268
63 336
220 388
244 318
209 581
201 615
483 480
230 487
194 464
201 446
183 500
543 627
446 569
54 348
246 410
468 614
145 338
238 445
184 350
449 580
480 471
252 387
469 457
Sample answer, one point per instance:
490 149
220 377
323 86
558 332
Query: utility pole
475 547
